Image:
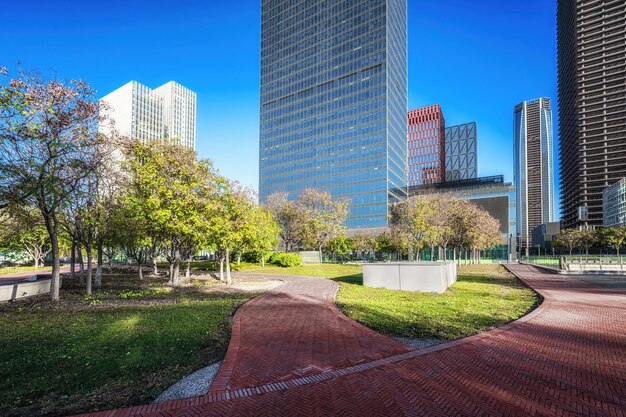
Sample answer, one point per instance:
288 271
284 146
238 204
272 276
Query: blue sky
476 58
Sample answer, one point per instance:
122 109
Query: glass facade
614 204
533 166
334 101
426 145
461 152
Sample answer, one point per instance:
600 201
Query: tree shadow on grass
350 279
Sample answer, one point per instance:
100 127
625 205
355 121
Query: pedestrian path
294 354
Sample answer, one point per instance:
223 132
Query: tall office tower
334 102
137 112
167 113
179 113
426 143
461 152
533 166
592 104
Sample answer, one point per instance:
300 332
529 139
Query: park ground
131 339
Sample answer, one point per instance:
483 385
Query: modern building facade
334 102
179 113
491 194
461 153
533 166
614 204
167 113
592 105
426 145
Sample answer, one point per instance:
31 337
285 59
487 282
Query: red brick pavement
566 358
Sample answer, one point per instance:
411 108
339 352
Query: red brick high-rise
426 145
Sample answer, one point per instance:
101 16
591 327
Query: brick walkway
566 358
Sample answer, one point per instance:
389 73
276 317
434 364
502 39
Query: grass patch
119 347
5 270
484 297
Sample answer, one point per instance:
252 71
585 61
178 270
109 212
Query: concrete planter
410 276
24 289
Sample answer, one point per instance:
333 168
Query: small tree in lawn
22 230
364 244
48 142
325 217
263 236
568 239
587 239
291 217
615 236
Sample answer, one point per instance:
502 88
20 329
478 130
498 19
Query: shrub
285 260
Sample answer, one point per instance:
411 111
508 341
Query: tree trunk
221 268
140 270
239 259
110 264
171 266
81 265
229 279
321 259
188 271
88 250
154 263
98 281
262 260
55 280
177 266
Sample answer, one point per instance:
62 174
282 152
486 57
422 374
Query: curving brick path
293 354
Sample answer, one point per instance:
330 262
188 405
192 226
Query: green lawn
5 270
484 297
123 346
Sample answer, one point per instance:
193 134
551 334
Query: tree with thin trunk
569 239
325 217
48 141
22 230
291 217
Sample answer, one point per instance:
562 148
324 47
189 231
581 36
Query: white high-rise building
179 113
167 113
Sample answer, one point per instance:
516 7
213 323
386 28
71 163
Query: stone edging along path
567 357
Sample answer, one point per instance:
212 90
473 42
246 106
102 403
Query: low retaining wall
24 289
410 276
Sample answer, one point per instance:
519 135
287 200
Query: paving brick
567 358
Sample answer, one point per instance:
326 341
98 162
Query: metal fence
579 262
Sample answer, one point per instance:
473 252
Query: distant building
533 166
333 103
489 193
167 113
614 204
543 235
426 145
179 113
461 154
592 105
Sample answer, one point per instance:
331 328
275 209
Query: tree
324 217
568 239
291 217
339 245
22 230
262 235
587 238
48 142
364 244
615 236
167 189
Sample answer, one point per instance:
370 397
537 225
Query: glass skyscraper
533 166
334 102
461 152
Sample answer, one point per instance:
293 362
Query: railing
579 262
